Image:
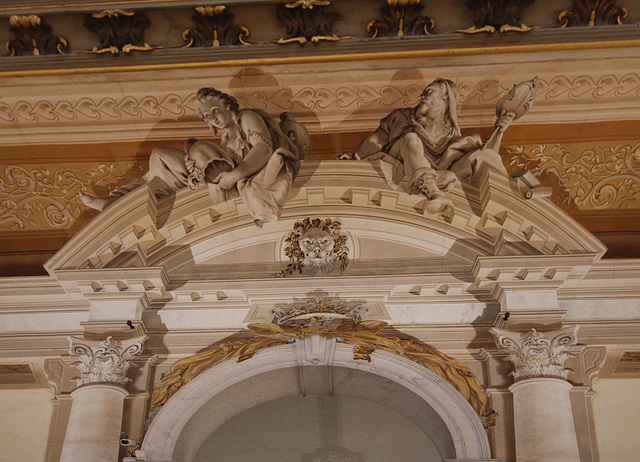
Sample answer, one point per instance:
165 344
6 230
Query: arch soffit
218 394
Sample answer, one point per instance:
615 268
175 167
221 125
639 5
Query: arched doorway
315 366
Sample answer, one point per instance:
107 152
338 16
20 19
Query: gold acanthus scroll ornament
364 335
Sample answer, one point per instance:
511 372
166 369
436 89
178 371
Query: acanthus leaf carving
307 21
537 354
401 18
215 27
593 13
497 15
34 37
105 361
118 31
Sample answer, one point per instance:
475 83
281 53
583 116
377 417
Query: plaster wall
24 424
616 410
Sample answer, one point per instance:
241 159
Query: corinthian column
93 432
543 418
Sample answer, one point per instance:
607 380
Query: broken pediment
386 231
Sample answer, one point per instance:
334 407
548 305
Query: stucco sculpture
256 160
424 143
316 246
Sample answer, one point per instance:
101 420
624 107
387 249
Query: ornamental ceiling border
328 100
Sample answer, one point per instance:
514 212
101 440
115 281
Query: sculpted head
439 98
317 246
217 108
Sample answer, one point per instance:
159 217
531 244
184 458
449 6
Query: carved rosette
537 354
106 361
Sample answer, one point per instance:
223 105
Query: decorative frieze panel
600 177
107 361
538 354
47 196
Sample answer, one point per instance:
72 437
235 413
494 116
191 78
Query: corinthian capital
105 361
537 354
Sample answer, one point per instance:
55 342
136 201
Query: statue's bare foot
97 203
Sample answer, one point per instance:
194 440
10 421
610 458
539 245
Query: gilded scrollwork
592 13
591 177
364 336
47 197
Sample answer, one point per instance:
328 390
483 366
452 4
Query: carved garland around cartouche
401 18
593 13
119 31
296 255
105 361
34 37
492 15
364 335
214 28
307 21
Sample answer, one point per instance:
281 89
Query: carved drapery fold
401 18
34 37
105 361
593 13
215 27
537 354
119 31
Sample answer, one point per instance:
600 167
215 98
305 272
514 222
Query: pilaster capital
106 361
537 354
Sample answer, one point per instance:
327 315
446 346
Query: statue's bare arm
257 134
372 144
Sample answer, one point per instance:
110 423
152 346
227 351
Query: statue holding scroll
256 160
424 145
